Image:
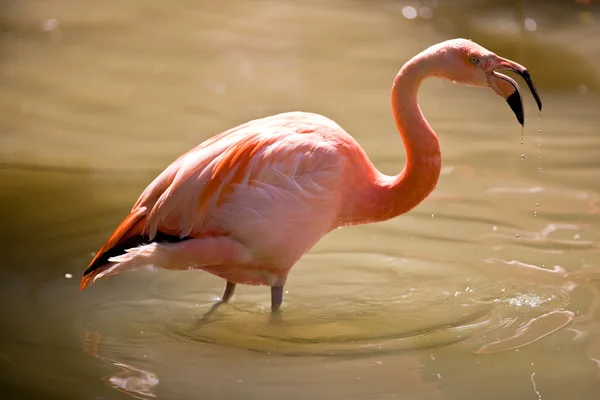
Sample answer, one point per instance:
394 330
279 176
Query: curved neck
389 196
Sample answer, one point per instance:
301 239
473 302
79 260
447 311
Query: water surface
488 290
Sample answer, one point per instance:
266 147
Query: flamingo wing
268 170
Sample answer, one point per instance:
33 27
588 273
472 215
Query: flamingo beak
509 89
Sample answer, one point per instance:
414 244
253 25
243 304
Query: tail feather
125 236
128 235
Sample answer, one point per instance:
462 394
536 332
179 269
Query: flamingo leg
227 294
229 289
276 298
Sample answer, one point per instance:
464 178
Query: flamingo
248 203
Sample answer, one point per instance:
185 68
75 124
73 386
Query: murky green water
488 290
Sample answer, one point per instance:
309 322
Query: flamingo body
246 204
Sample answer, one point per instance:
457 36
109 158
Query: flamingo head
466 62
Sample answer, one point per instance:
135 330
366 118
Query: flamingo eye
474 60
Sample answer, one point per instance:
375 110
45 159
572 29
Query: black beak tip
514 101
529 82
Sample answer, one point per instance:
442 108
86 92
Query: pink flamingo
246 204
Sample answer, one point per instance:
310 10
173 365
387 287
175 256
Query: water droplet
577 236
539 145
522 156
517 235
535 213
539 158
494 228
540 168
522 134
537 204
432 215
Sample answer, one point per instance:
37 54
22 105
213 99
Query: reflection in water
132 381
529 332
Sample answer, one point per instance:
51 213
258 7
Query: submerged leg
276 298
229 289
